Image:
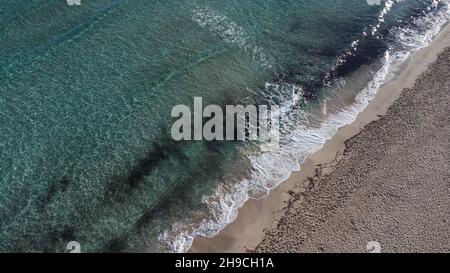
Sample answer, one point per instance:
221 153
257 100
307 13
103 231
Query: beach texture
391 185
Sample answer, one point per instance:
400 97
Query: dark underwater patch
178 191
119 188
57 187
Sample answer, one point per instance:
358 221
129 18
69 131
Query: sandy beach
383 178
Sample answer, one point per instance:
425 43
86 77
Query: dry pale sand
392 184
388 182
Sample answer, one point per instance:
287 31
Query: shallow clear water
86 94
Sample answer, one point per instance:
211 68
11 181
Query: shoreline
256 217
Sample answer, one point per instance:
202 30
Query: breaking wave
270 168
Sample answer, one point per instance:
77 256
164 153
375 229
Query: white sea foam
269 169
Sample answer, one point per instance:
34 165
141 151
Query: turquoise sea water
86 94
